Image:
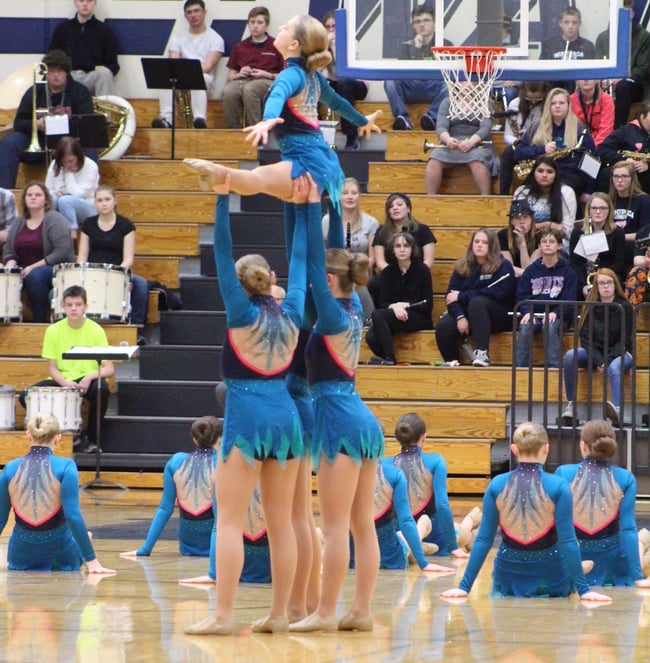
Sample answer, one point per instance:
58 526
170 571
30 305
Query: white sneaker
481 358
569 411
613 413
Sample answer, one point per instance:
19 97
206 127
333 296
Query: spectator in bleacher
465 142
72 179
631 143
399 218
91 46
519 241
604 497
553 203
558 135
426 479
479 300
197 42
633 88
606 342
253 65
108 238
568 45
539 554
599 219
81 374
405 298
359 230
636 283
351 89
66 96
188 480
550 278
404 91
594 108
526 112
7 214
631 205
38 240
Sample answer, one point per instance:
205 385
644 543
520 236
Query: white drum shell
7 407
11 285
63 402
108 289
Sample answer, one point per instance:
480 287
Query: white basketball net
469 76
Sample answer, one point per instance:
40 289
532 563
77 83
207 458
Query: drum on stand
11 285
7 407
63 402
108 289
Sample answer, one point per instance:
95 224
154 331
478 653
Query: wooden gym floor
139 615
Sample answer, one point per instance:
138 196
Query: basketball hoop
469 72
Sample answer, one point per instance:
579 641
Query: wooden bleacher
464 420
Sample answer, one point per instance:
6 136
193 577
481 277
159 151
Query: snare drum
108 289
7 407
63 402
11 285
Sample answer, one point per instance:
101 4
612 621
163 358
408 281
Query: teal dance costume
257 558
50 533
539 554
294 96
603 515
260 418
188 480
343 423
426 476
393 513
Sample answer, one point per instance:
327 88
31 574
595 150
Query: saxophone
523 168
637 156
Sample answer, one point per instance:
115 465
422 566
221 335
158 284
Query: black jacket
88 44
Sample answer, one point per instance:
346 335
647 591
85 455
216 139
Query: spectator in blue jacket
547 279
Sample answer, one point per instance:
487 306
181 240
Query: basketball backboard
370 34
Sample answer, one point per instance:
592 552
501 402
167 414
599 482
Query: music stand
99 354
173 74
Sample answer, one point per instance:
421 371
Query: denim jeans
139 300
75 210
525 340
402 92
12 152
38 285
615 370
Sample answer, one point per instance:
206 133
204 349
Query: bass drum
120 116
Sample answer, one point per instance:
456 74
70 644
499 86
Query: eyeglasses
626 176
421 21
609 284
598 209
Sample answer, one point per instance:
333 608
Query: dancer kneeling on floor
539 553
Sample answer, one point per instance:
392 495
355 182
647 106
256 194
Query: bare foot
211 175
197 580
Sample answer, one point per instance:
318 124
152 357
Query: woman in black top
109 238
405 297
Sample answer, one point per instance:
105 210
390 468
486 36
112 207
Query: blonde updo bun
312 37
350 268
254 274
43 428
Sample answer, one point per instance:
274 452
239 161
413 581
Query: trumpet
429 146
40 70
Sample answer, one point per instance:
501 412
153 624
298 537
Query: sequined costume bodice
194 481
419 480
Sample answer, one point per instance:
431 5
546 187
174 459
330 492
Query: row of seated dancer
601 551
318 418
42 240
